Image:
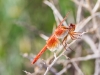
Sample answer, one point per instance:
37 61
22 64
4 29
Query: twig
64 70
90 42
88 57
28 73
96 6
79 10
97 66
81 4
77 68
85 21
55 11
56 59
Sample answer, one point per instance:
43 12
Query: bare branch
64 70
77 68
96 6
55 11
79 10
88 57
90 42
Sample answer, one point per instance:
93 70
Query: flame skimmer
61 32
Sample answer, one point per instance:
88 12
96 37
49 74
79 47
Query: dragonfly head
72 27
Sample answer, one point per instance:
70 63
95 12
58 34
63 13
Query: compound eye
72 27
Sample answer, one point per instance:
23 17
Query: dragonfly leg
64 42
75 35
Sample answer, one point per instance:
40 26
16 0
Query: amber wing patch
53 43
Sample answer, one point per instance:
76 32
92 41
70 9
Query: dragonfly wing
61 32
53 43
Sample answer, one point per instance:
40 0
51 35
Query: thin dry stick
78 18
85 58
82 4
57 20
88 40
78 53
55 11
28 73
97 66
96 7
64 70
77 68
85 21
56 59
79 10
92 14
97 62
88 3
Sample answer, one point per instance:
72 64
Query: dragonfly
61 32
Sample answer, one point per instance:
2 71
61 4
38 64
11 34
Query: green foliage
87 67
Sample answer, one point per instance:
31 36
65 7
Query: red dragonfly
61 32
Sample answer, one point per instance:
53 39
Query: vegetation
23 23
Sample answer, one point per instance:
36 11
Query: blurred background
22 22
